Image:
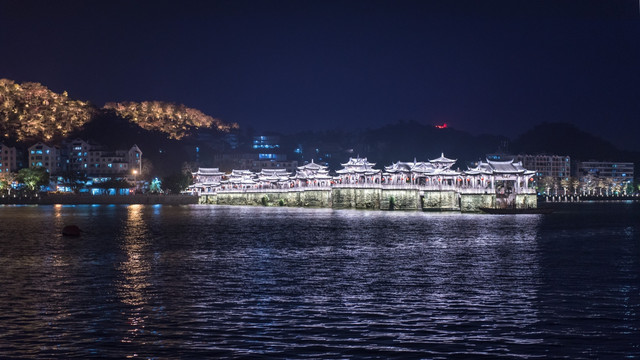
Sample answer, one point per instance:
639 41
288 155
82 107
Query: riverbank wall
583 198
366 198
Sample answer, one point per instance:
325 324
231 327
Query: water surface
214 282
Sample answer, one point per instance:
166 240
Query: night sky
481 66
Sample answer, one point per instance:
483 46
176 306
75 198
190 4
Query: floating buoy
71 230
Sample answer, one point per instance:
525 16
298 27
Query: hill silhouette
404 141
568 139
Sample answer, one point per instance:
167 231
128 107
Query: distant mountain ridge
408 140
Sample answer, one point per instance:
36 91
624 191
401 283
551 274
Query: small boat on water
516 211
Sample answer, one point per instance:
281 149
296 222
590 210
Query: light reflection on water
205 281
132 288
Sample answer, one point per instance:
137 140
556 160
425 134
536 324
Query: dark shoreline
80 199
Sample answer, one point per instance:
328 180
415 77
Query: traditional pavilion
404 173
358 171
206 180
435 173
239 180
312 175
443 176
273 179
503 177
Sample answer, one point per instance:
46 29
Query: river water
252 282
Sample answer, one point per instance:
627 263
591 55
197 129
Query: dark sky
482 66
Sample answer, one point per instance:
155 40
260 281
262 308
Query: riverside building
94 160
555 166
8 159
610 174
48 157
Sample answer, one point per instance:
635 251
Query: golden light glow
176 120
30 110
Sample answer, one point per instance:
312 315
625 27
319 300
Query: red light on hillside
443 126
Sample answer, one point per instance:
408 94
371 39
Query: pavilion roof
208 171
241 173
302 174
443 159
359 171
399 166
415 166
312 166
274 172
499 167
358 162
206 183
447 172
238 180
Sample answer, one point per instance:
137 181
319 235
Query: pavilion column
519 179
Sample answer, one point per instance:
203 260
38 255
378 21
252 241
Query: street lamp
135 179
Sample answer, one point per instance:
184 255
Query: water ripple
238 282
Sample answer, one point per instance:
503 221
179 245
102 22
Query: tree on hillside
176 120
32 111
33 178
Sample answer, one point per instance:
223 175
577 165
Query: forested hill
30 112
